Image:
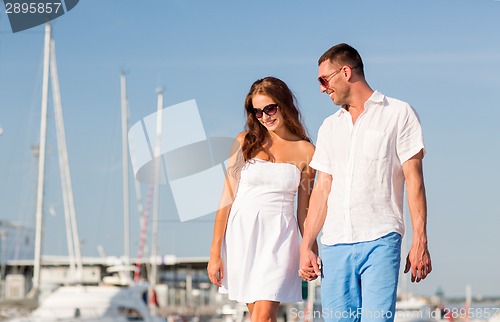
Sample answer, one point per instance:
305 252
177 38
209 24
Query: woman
255 249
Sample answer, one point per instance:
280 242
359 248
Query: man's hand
419 260
310 265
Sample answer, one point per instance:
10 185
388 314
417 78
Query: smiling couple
364 155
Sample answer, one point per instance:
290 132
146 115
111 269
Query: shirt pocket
376 144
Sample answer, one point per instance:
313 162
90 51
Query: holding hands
310 265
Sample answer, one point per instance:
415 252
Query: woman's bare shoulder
307 148
241 137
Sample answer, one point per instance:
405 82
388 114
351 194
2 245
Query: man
364 154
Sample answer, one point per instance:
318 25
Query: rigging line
144 230
105 191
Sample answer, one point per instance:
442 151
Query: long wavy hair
257 133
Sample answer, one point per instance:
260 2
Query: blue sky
443 57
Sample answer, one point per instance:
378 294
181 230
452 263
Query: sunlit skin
276 127
280 147
335 87
346 88
350 90
273 123
285 147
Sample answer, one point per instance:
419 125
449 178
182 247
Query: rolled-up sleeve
410 139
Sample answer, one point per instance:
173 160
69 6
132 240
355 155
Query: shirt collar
341 111
376 98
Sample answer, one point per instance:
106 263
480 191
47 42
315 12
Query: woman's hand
215 270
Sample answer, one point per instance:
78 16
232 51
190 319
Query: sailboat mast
41 163
66 185
126 207
156 201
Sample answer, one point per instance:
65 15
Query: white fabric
261 245
365 161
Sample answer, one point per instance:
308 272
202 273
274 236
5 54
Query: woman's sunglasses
270 110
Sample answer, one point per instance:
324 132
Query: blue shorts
360 280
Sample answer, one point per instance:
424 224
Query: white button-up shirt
365 160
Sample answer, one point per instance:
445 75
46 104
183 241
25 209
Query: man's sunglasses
270 110
325 80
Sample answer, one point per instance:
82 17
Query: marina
151 275
183 293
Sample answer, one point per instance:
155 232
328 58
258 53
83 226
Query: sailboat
93 303
114 300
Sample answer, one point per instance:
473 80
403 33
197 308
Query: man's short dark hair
343 54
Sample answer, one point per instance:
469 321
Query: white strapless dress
261 246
